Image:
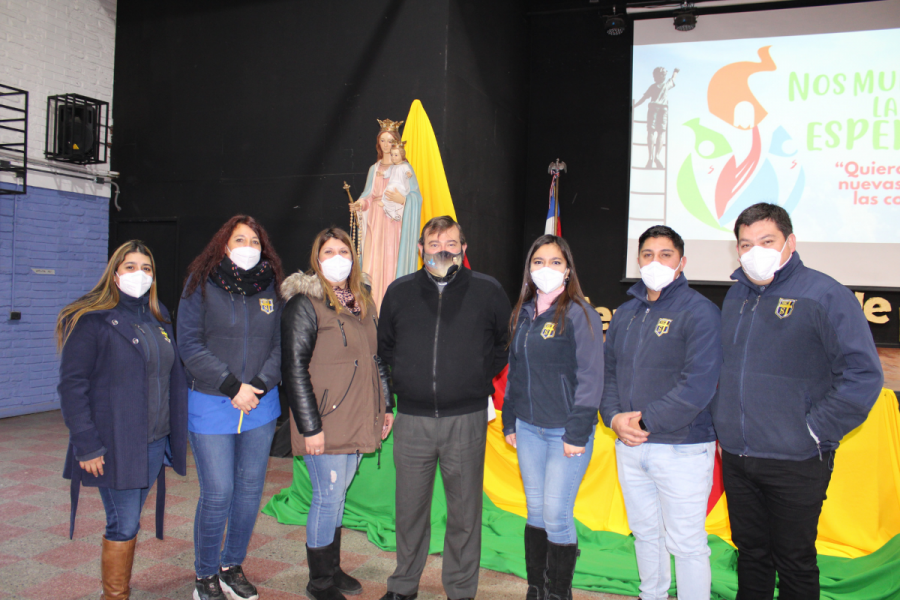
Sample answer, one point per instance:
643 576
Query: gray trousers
457 445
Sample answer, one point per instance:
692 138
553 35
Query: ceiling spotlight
615 25
686 20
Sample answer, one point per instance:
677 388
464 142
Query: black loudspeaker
77 129
75 132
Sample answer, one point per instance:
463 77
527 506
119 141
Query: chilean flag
553 226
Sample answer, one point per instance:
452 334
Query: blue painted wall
64 231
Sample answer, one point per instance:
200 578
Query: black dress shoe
396 596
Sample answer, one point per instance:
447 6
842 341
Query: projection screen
797 107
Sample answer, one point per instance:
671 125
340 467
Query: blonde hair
354 281
105 294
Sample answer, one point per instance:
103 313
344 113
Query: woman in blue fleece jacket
550 409
229 328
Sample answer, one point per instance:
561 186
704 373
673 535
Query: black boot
560 570
346 584
535 561
321 574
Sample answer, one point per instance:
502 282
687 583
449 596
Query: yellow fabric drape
861 514
424 157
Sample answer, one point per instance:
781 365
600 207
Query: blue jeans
666 488
231 468
330 475
123 507
551 480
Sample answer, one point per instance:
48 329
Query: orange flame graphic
729 94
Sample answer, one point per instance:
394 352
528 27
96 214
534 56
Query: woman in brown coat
338 392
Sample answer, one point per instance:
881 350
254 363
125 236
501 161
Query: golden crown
400 144
388 125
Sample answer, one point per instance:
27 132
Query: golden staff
354 224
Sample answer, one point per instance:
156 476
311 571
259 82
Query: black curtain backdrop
267 107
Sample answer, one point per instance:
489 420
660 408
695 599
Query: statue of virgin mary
389 236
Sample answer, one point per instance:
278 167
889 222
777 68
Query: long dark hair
207 261
354 280
571 292
105 294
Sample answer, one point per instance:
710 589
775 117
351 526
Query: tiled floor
38 561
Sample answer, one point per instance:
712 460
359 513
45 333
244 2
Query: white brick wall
50 47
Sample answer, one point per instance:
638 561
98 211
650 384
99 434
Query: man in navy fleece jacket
663 355
800 371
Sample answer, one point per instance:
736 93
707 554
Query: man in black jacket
443 330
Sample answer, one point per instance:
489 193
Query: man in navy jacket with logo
663 355
800 372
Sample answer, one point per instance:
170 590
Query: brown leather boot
115 568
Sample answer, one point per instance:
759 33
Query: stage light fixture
615 25
685 20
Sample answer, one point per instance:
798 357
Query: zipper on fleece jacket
527 364
246 336
738 326
437 328
743 368
636 353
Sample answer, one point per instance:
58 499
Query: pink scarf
545 300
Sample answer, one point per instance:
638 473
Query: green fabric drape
607 562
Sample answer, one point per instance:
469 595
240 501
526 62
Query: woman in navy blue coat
123 394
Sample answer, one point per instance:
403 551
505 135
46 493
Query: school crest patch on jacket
662 327
266 305
785 308
548 331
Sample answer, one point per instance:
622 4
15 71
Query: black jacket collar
424 279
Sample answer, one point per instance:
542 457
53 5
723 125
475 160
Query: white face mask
244 257
134 284
656 275
336 269
548 280
761 264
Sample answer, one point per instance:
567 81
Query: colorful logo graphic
756 177
785 308
662 327
548 331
